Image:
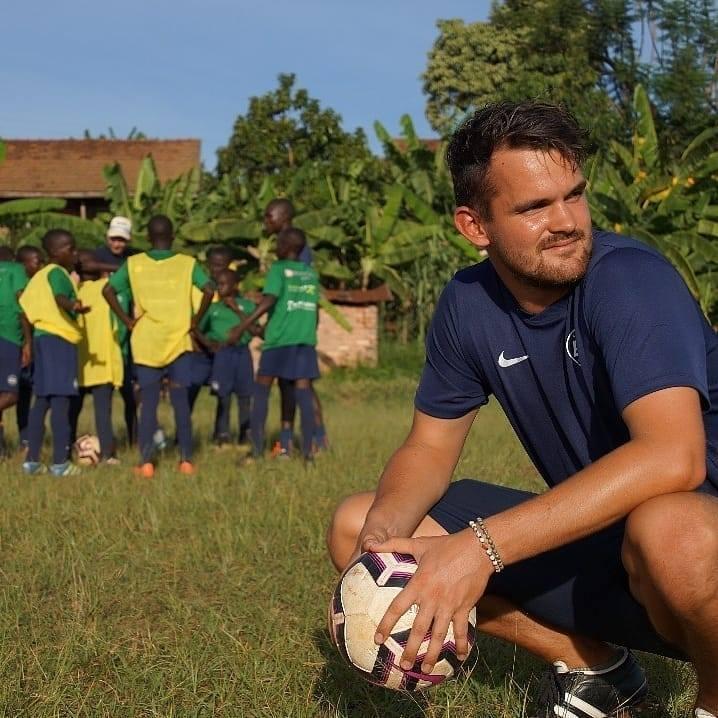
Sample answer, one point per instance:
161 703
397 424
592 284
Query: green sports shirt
219 321
61 286
12 281
293 318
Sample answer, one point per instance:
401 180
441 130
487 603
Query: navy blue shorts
232 372
10 367
295 362
55 366
201 368
179 372
581 587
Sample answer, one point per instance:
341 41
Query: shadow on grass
500 681
349 695
497 678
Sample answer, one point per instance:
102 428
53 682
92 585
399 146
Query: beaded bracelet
487 543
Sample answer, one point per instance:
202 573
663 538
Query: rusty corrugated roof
73 168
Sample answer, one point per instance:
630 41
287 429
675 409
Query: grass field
207 596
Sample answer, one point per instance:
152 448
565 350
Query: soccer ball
87 450
159 439
359 602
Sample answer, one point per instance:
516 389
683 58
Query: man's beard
536 272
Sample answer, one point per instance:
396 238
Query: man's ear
472 226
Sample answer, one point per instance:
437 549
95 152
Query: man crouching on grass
608 372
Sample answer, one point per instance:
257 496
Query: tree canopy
590 56
285 129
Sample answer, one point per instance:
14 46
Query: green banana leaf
645 139
335 314
220 230
30 206
698 142
706 226
421 209
147 183
390 214
116 190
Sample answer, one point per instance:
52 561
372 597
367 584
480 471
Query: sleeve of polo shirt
273 282
648 328
200 278
19 279
451 384
120 280
60 284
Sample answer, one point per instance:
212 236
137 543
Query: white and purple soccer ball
87 450
360 600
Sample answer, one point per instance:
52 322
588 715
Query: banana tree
176 198
672 206
389 242
26 221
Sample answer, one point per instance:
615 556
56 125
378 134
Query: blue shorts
295 362
581 587
178 372
233 372
201 368
55 366
10 361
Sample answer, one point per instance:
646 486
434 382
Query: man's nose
561 219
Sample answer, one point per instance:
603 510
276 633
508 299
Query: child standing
32 260
51 306
100 367
232 370
15 339
218 259
160 282
290 295
278 216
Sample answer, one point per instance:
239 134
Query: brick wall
338 347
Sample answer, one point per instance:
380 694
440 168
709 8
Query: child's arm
205 342
207 296
71 305
254 329
26 340
267 302
110 295
90 264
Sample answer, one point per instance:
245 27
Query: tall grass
207 596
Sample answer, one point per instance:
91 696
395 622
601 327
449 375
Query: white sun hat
120 227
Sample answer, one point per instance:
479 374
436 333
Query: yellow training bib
99 353
38 303
162 293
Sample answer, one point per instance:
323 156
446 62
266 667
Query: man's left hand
450 579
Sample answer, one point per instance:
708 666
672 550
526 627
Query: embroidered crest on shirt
572 347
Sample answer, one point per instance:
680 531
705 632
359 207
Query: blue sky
187 68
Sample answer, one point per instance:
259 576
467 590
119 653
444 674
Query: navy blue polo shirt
628 328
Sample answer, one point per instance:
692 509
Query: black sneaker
609 690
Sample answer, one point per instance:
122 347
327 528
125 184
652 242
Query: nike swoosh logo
504 362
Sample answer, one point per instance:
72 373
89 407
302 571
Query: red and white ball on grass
87 450
360 600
